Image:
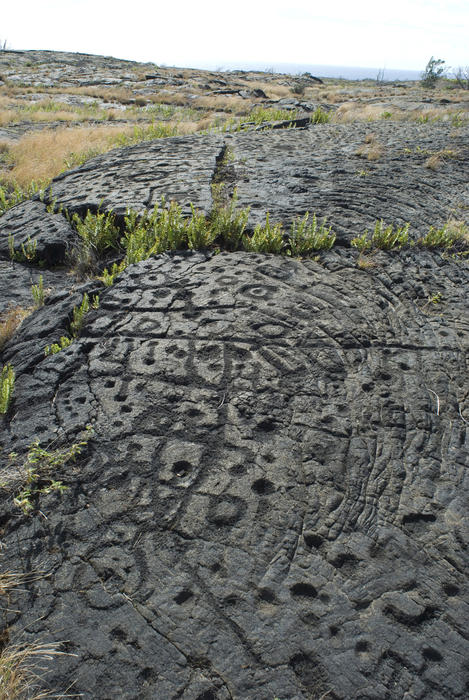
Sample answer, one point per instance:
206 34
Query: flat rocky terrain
264 486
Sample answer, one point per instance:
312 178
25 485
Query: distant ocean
347 72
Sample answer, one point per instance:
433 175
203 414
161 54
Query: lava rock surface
273 501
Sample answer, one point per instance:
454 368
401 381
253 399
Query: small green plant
435 298
79 313
27 252
265 239
35 472
63 343
383 236
445 237
12 195
433 71
37 291
7 384
109 276
259 115
199 233
320 116
305 237
228 225
99 234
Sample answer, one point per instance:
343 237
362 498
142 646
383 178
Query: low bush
305 237
384 237
265 239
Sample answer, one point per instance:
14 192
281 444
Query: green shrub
199 232
383 236
63 343
99 234
319 116
304 238
259 115
12 195
7 384
79 313
228 225
446 236
38 466
265 239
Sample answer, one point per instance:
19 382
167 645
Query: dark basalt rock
273 501
139 176
30 221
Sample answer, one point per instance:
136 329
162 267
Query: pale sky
212 33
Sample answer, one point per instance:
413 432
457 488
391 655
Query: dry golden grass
225 103
371 149
21 670
10 321
436 160
366 262
41 155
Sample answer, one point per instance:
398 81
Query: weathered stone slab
274 501
318 169
31 222
180 168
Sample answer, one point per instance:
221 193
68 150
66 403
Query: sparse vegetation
26 253
32 476
21 668
7 384
14 194
371 149
79 313
99 234
319 116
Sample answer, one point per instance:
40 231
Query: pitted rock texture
319 170
274 501
288 172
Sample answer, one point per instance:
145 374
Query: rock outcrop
271 501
